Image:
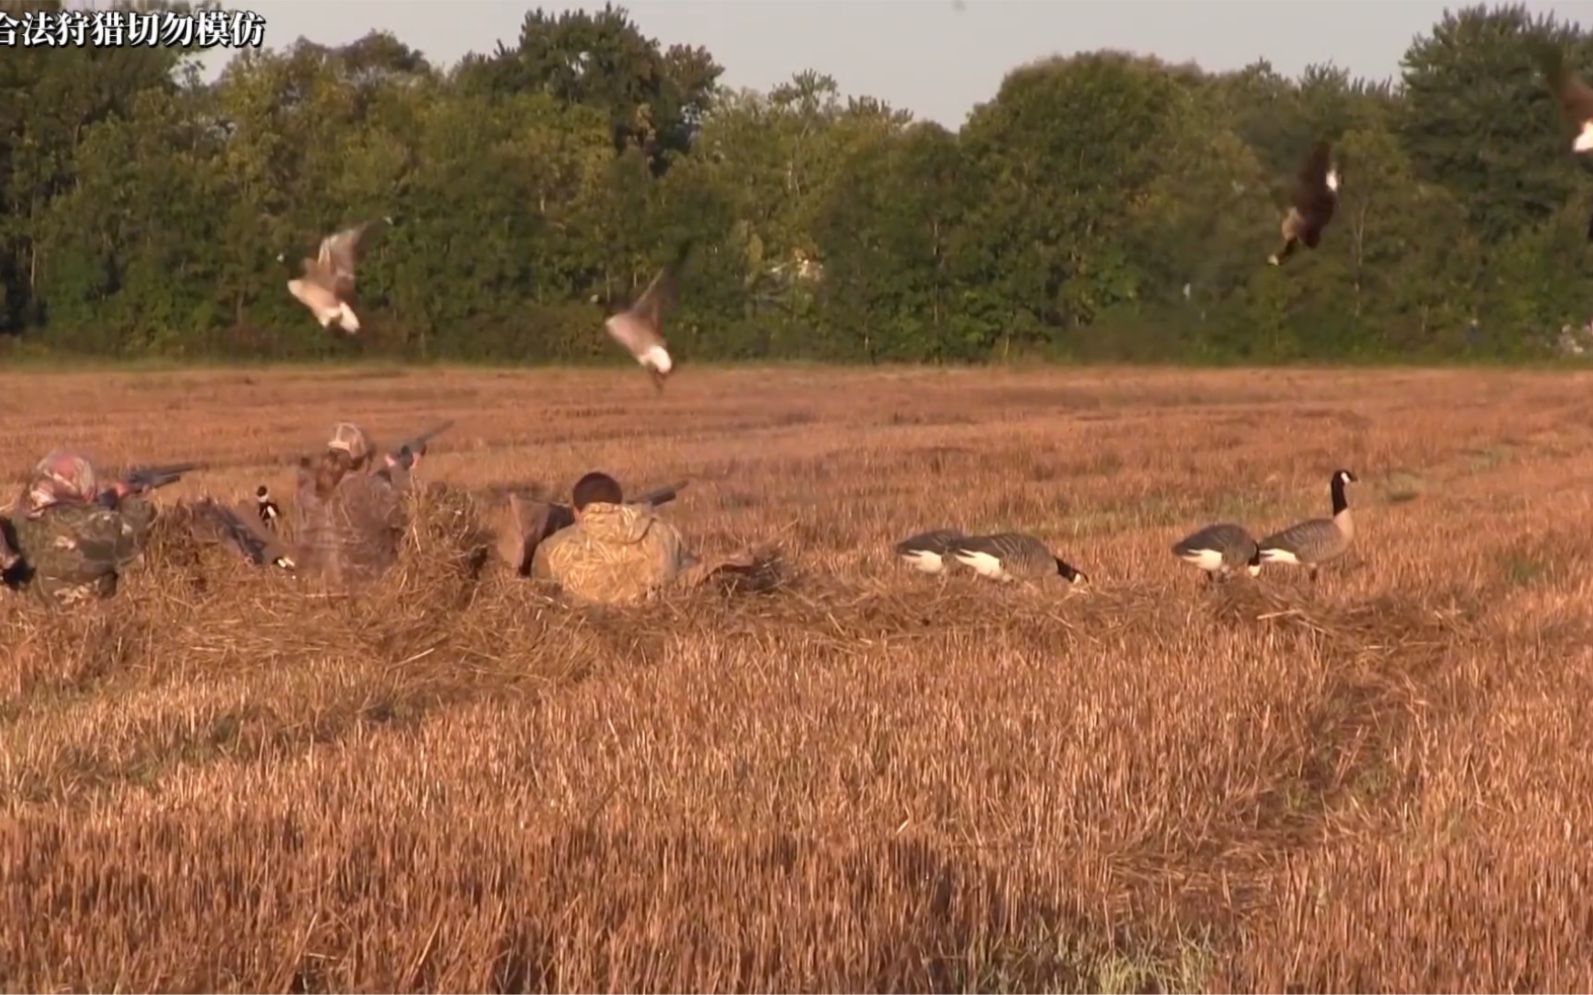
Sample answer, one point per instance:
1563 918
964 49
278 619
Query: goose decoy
1010 556
1316 195
1315 541
217 523
266 508
327 286
927 551
640 326
1220 550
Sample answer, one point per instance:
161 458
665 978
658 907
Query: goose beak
658 379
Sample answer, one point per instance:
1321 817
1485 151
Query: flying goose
1576 99
1316 195
266 508
1315 541
1010 556
327 286
640 326
926 551
1219 550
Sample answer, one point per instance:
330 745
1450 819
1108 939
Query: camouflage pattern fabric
352 534
615 554
61 477
77 551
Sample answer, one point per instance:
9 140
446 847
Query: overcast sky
922 55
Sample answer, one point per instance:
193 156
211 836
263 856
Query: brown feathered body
1576 104
1315 198
1576 99
327 286
640 327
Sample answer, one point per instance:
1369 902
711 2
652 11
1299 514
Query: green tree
1478 120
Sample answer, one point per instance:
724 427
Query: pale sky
922 55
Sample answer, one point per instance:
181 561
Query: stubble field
865 779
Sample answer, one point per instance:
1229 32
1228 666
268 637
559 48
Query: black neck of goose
1340 502
1066 570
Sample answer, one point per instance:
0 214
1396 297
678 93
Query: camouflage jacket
351 534
615 554
77 552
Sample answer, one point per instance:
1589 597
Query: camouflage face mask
60 478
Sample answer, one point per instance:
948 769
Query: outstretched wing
1576 99
1311 182
339 254
661 293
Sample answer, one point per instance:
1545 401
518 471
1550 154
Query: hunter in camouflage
349 511
76 546
617 553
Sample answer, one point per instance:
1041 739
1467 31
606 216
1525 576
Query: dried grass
851 777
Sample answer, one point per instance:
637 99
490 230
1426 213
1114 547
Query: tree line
1099 206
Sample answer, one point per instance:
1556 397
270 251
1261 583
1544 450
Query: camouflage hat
350 438
62 477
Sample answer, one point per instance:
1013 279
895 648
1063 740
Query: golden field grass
866 779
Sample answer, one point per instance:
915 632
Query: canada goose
1316 195
1220 549
1315 541
1010 556
266 508
327 286
1576 99
640 326
926 551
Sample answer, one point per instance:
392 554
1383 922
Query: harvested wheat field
864 778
